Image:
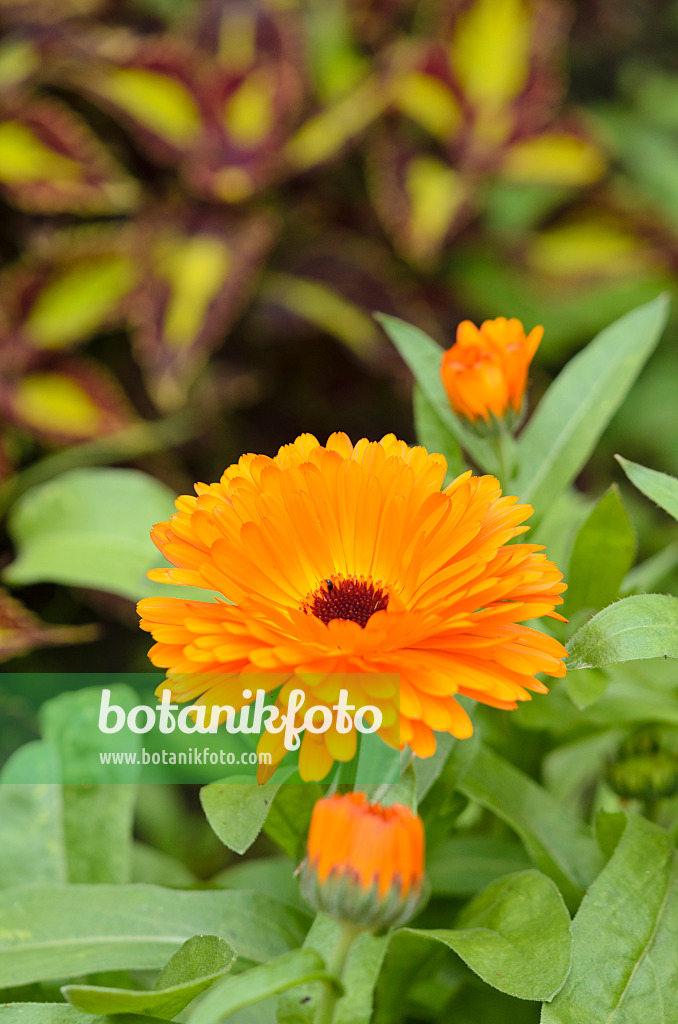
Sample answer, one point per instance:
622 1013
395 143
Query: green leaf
462 865
434 435
63 931
289 817
359 979
423 356
31 835
644 626
515 935
237 812
659 487
603 553
624 938
193 968
560 846
90 528
580 403
272 876
98 832
42 1013
295 968
585 687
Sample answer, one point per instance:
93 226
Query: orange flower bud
365 862
485 371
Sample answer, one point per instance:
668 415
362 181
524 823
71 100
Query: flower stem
503 448
330 995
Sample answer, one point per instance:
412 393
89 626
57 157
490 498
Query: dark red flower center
350 597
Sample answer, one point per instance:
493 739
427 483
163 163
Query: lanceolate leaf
64 931
603 553
659 487
624 938
581 402
515 935
423 356
434 435
559 845
643 626
237 812
200 962
290 970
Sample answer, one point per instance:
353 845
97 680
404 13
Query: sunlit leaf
554 158
602 554
51 162
643 626
78 401
659 487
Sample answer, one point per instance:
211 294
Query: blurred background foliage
201 205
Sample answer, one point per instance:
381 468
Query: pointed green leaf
603 553
580 403
515 935
193 968
237 812
644 626
434 435
624 966
423 356
232 994
51 931
659 487
559 845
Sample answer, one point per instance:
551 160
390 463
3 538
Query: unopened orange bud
365 862
485 371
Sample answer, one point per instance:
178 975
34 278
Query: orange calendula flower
365 862
350 559
485 371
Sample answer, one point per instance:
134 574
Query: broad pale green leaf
580 403
659 487
295 968
31 835
200 962
515 935
603 553
90 528
360 977
559 845
98 832
42 1013
462 865
237 812
644 626
64 931
434 435
423 356
625 934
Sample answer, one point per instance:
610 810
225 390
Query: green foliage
645 626
200 962
629 976
659 487
515 935
89 528
580 403
602 554
52 932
